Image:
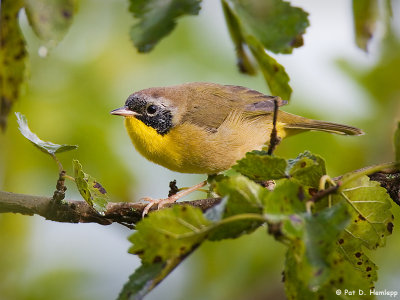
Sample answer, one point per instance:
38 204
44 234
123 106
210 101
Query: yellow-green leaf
12 57
259 166
288 197
46 147
169 233
370 211
365 13
243 61
90 189
371 221
274 73
307 168
50 19
242 196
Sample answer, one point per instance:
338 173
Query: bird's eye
151 109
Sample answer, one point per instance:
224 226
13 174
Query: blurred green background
70 93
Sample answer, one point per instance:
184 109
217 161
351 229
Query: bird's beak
123 111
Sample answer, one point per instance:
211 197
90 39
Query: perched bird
205 128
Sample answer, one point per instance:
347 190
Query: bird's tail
300 123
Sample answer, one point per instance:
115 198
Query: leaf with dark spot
162 235
91 190
274 73
285 201
307 168
390 227
312 262
369 206
12 57
50 19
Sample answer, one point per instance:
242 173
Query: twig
274 139
173 188
391 182
322 193
59 193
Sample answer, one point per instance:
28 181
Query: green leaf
274 73
145 278
169 233
46 147
288 198
342 277
276 24
350 248
259 166
282 207
307 169
370 210
321 232
157 18
12 57
50 19
90 189
243 61
312 259
365 13
371 222
397 142
243 196
162 241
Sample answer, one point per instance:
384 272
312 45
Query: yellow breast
153 146
188 148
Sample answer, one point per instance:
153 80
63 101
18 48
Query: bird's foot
171 199
160 203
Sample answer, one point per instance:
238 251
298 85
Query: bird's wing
210 104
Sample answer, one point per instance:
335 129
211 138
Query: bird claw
160 203
171 199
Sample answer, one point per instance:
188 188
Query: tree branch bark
72 211
125 213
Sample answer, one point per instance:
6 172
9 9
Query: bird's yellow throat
157 148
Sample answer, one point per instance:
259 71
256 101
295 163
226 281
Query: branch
274 139
391 182
129 213
73 211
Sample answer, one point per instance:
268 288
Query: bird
205 128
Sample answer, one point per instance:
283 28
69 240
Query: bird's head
151 106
